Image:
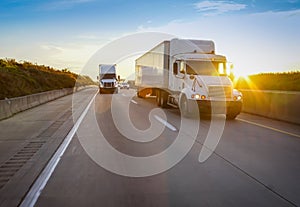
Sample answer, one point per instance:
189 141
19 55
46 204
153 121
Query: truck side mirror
175 68
97 77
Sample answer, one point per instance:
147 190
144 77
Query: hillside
289 81
19 79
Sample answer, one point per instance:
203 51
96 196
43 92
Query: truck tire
233 112
101 91
184 108
163 99
158 97
231 116
116 91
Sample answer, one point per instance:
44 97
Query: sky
256 36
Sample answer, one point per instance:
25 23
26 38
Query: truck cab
204 78
107 79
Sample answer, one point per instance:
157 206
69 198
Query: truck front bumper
219 107
108 90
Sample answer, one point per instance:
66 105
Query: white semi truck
183 72
107 79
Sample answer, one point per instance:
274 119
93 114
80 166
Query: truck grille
220 91
108 85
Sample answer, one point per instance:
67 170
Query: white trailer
107 78
181 72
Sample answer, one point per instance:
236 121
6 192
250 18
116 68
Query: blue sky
255 35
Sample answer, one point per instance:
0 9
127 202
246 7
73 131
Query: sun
240 74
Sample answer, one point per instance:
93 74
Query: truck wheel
158 97
231 116
163 99
116 91
184 106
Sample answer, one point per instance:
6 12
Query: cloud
52 48
67 54
212 8
289 13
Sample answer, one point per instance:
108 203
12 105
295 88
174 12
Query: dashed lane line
133 101
164 122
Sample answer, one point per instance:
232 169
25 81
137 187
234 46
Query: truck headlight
198 96
237 98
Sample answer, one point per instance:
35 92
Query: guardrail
9 107
280 105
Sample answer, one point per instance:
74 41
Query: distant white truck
181 72
107 79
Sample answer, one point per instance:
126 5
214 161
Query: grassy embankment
288 81
19 79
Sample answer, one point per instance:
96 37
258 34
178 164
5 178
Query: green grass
288 81
19 79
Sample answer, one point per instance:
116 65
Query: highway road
30 138
115 157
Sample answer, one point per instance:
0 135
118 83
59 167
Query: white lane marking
267 127
35 191
123 94
133 101
164 122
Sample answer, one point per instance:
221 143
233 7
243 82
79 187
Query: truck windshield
107 76
211 68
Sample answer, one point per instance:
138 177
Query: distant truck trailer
107 79
182 72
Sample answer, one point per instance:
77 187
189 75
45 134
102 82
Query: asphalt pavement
254 162
29 139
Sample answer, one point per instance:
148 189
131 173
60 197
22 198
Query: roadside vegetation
24 78
288 81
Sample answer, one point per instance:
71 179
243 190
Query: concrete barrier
280 105
5 109
9 107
